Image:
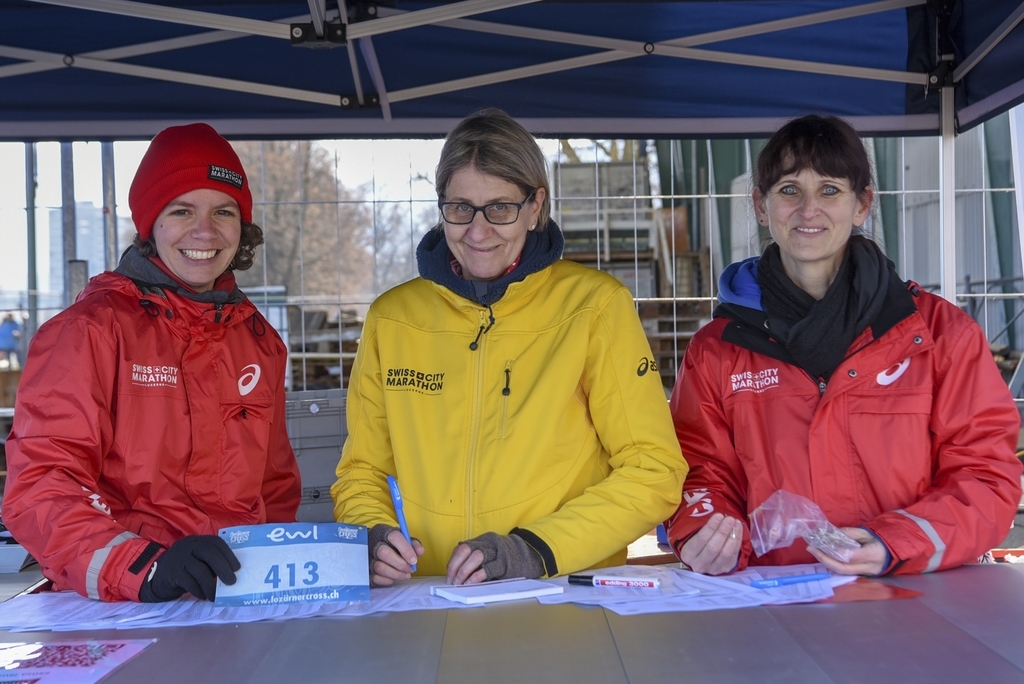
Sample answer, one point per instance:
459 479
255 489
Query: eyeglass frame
518 205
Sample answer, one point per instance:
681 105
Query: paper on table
802 592
492 592
62 662
67 611
415 594
45 610
684 591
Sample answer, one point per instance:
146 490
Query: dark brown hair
251 238
826 144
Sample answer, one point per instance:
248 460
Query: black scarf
818 333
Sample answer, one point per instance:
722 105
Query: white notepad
490 592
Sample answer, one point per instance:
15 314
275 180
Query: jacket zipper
505 393
484 327
474 431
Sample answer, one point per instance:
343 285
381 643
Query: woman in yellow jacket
511 393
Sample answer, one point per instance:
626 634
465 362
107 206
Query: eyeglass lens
500 213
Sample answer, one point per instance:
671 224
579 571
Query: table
965 628
13 583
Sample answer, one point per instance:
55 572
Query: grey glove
507 556
376 537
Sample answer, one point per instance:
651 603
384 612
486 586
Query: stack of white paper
683 591
494 592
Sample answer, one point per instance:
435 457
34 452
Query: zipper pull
821 387
244 414
508 378
216 319
473 345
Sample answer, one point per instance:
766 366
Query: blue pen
396 498
792 579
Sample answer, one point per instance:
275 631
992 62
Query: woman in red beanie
151 412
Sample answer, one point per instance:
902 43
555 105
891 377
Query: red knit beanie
182 159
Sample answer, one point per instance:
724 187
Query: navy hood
738 284
542 248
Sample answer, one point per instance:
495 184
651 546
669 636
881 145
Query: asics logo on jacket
248 381
887 377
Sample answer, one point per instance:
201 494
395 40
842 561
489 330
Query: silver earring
533 226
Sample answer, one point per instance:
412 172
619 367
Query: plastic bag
784 516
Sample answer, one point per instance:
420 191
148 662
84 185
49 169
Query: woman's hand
715 549
869 559
493 556
393 559
466 566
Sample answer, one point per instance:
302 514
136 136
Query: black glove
192 564
507 556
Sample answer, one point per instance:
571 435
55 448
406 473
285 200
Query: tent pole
947 197
1017 379
68 222
30 225
109 206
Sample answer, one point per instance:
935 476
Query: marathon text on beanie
181 159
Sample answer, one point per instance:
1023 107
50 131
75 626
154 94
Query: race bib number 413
296 562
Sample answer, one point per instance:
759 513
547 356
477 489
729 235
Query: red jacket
144 416
913 438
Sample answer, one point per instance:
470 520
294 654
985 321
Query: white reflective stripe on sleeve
933 537
99 557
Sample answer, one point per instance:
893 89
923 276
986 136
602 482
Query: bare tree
319 234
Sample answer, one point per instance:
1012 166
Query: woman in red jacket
151 412
825 375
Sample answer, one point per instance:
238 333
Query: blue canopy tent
96 69
102 68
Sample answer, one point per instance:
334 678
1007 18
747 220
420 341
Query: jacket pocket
892 439
244 446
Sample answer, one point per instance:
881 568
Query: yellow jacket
555 426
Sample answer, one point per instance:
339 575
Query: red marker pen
615 581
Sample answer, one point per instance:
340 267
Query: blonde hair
494 143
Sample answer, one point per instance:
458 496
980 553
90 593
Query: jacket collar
542 248
152 276
747 325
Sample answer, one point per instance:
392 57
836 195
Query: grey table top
966 627
13 583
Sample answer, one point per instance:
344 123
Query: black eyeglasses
498 213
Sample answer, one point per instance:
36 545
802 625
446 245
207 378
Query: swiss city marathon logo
424 382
